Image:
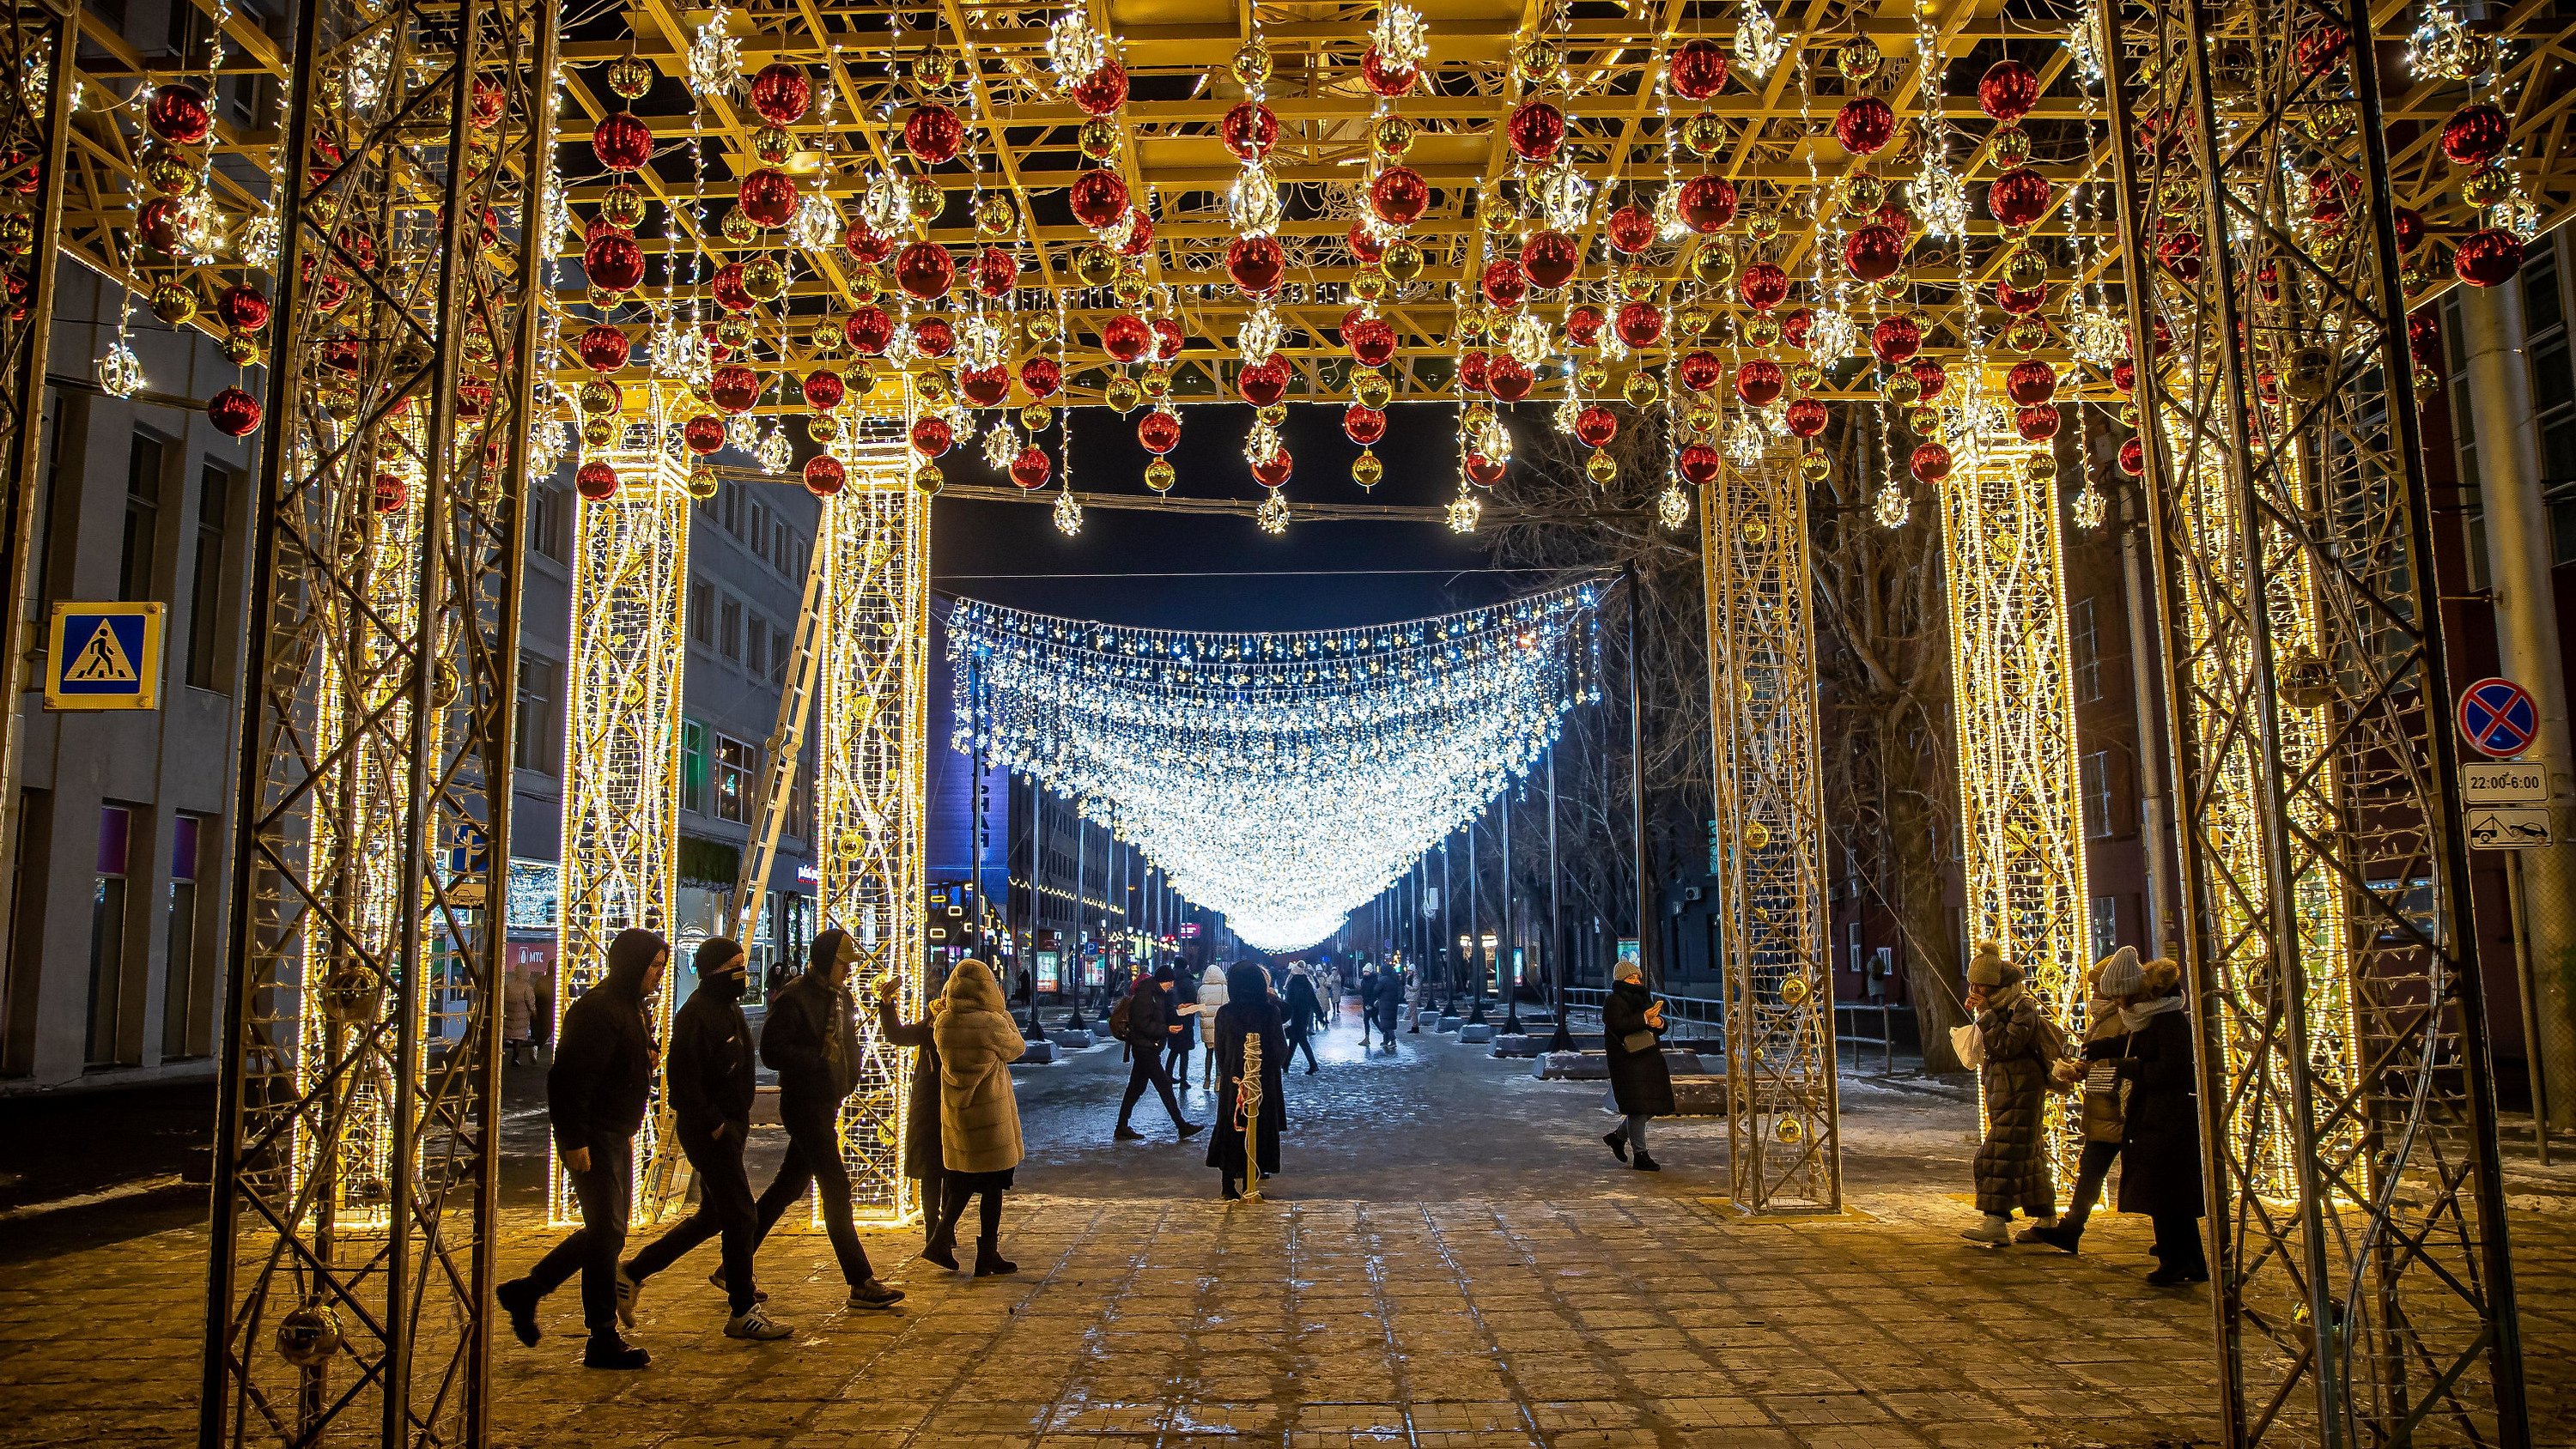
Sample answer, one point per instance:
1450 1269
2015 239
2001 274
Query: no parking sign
2497 718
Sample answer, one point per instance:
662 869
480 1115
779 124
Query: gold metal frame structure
873 702
2364 1292
396 414
2021 820
628 648
1783 1121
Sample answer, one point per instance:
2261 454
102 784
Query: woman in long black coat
1305 1012
1639 1081
1249 1013
2160 1138
921 1160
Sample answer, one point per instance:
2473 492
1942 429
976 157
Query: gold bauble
1806 376
2334 120
1693 320
597 397
923 196
1129 289
1371 387
733 330
935 69
174 303
1498 219
2126 415
1402 262
1815 466
994 215
1637 284
1765 226
1473 318
738 227
170 175
1762 331
1370 283
1159 475
930 385
2026 334
1043 327
1536 60
1893 286
822 427
699 390
1601 467
702 482
1275 414
1367 469
1393 136
1096 265
1156 379
1122 393
1702 416
1475 416
1757 836
2011 146
2042 467
630 76
866 285
1591 376
827 338
17 234
240 350
1901 388
1754 529
2025 268
1861 193
2413 277
859 377
622 205
1925 421
1859 59
929 479
1098 138
773 145
598 432
1641 389
1713 265
1037 417
763 278
2486 186
1252 64
1704 134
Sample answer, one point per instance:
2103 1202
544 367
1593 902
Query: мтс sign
104 656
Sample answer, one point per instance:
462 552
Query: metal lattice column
873 704
2365 1295
363 967
1783 1123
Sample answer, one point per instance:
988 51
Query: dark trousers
725 1209
2091 1170
1144 1066
814 1160
606 1198
1304 1044
2178 1244
1176 1054
1368 1018
952 1206
934 1200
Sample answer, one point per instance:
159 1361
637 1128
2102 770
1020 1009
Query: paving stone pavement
1453 1260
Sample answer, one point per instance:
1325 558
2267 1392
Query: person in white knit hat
2115 979
2012 1168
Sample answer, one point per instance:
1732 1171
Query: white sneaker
1994 1232
757 1324
628 1291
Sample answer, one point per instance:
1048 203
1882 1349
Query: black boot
942 1248
1645 1163
989 1261
518 1298
608 1351
1617 1137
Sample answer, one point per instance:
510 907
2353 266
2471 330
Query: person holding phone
1632 1030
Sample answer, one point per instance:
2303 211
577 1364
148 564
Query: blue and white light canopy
1282 779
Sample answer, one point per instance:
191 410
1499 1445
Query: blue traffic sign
2498 719
104 656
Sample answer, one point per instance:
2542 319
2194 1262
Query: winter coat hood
630 955
1248 987
979 1118
971 987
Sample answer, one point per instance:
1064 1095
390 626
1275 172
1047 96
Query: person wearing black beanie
811 1040
710 1086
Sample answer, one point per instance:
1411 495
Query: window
142 518
693 766
206 602
2106 926
755 656
729 510
779 553
107 936
735 764
800 803
729 628
756 525
780 646
540 686
2093 779
2553 372
187 1009
702 613
2084 646
550 523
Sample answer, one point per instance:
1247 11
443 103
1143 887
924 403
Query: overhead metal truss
374 795
1784 1133
2364 1295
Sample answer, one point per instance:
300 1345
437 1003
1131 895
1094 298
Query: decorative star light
1259 336
1564 197
715 60
1758 45
1891 507
1074 49
1001 445
1489 437
120 372
1567 409
1400 35
1252 202
1745 440
1940 198
1529 339
1832 335
1672 506
2089 507
1463 512
2099 336
775 453
200 228
1272 515
883 205
817 223
981 341
1068 514
1261 444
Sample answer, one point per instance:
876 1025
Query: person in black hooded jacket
710 1087
597 1090
811 1040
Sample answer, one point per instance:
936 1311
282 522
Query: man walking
710 1089
812 1041
1370 986
1148 1025
595 1096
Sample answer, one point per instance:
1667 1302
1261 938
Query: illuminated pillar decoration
621 780
2021 817
1783 1123
872 702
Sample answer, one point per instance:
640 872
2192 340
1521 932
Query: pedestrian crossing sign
104 656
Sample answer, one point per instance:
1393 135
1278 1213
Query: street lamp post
1558 957
1507 974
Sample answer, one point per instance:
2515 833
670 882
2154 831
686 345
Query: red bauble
1507 378
2424 338
244 308
2321 48
1549 259
1640 324
2489 258
866 247
1931 462
2036 424
1398 195
158 222
1931 377
1249 130
2476 134
824 390
1535 129
595 480
1167 339
1098 197
1159 431
1265 383
934 337
233 412
734 388
1895 339
1472 366
1370 339
1864 125
2410 227
1631 229
985 386
603 348
1140 234
1582 324
1126 337
1041 376
781 94
1763 286
1031 467
1805 417
704 434
2019 301
824 475
1758 381
1874 252
1363 424
1699 463
1698 69
932 133
995 272
1273 471
1386 78
2180 254
924 270
768 196
2124 377
1504 283
1699 371
2008 90
622 141
2019 197
2133 457
1366 246
1102 91
177 114
1482 471
2031 382
931 436
613 263
1256 263
1708 203
868 330
726 286
391 493
1596 425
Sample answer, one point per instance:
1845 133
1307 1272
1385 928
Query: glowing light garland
1282 779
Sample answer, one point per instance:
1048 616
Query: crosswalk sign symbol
104 656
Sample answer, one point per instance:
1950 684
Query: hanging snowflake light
1001 445
1758 45
120 372
817 224
1940 198
1252 202
1068 514
1261 444
1259 336
1832 335
1490 439
1744 440
1891 508
2088 508
1463 511
1672 506
1529 339
1074 49
715 61
1400 36
1272 515
883 205
1564 197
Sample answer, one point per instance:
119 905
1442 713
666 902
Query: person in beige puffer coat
979 1116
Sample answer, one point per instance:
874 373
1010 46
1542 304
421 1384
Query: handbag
1637 1041
1970 1045
2106 1099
